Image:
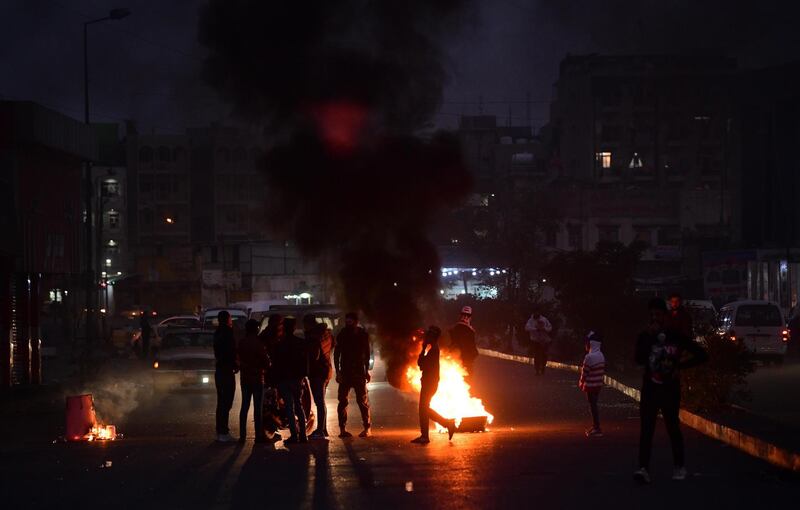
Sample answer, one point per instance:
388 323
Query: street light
114 14
169 220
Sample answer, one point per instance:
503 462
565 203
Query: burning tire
274 416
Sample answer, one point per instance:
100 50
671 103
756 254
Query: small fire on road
82 424
453 398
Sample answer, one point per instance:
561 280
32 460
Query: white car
178 321
210 320
758 325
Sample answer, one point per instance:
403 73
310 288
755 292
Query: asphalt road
534 456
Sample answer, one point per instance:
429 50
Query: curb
751 445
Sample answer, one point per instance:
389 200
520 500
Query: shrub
711 385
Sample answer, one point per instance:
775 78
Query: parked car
210 321
330 315
704 317
758 325
185 360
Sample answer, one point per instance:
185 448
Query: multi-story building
195 206
647 151
42 216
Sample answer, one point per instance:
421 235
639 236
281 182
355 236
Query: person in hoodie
591 379
428 362
663 351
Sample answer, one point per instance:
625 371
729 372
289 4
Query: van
758 325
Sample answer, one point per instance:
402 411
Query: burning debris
82 422
453 399
344 87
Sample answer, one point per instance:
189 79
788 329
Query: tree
596 291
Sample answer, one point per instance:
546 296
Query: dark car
185 359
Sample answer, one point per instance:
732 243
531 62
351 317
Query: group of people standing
276 362
664 348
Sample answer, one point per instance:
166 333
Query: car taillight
786 334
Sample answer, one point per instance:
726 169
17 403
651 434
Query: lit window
636 161
113 219
604 158
108 262
110 188
112 242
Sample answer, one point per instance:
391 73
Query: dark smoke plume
344 86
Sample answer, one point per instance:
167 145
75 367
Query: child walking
591 380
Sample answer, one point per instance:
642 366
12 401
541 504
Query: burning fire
452 399
101 433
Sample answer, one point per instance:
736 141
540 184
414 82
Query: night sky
147 66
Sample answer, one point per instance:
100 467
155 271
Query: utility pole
90 280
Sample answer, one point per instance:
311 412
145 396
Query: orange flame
452 399
102 433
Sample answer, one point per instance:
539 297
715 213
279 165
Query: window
575 236
146 184
178 154
603 159
147 217
608 233
110 188
112 251
758 316
643 235
669 236
146 154
113 219
636 161
164 154
224 155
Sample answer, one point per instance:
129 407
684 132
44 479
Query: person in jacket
539 328
291 367
320 347
591 379
428 362
679 318
663 351
462 339
253 364
351 363
225 373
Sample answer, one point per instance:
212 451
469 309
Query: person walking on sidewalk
539 328
661 349
225 374
351 361
253 364
591 379
320 345
292 367
428 362
462 339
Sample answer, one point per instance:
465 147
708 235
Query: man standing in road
679 318
539 328
253 363
462 339
351 361
145 332
320 345
428 362
224 377
291 366
661 350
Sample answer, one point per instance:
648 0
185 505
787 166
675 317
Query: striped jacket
594 368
